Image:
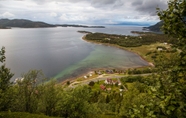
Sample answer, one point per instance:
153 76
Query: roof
102 87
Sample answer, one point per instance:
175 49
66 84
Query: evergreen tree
5 74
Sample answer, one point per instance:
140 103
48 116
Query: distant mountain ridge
155 28
23 23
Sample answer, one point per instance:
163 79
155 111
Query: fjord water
61 53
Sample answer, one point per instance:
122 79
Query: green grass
22 115
96 86
144 49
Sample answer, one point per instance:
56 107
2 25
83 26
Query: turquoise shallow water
61 53
103 57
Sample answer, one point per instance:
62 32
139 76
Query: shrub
91 83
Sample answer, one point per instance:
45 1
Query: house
165 43
107 39
109 71
108 81
85 77
99 73
160 49
109 89
115 82
102 87
120 90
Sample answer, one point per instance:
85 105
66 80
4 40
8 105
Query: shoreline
123 48
73 79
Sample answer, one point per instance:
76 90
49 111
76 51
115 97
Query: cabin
102 87
160 49
111 82
109 71
109 89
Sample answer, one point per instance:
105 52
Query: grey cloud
44 1
94 3
102 2
137 3
149 6
106 4
86 10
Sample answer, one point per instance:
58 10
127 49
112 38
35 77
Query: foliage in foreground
21 115
168 97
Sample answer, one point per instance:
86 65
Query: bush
153 57
91 83
121 87
68 82
131 79
148 53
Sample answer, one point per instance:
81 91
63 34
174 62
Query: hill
4 23
23 23
155 28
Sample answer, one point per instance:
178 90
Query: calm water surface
61 52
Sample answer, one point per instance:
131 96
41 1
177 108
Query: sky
96 12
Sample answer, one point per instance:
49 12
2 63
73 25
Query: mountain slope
156 27
22 23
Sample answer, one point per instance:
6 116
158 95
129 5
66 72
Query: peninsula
147 44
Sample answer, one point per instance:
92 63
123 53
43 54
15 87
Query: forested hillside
156 27
6 23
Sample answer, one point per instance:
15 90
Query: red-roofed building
102 87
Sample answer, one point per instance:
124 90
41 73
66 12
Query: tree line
131 41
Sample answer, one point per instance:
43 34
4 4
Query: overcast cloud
83 11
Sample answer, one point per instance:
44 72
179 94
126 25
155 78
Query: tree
174 25
168 96
131 103
5 74
74 103
28 90
68 82
91 83
52 94
174 22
